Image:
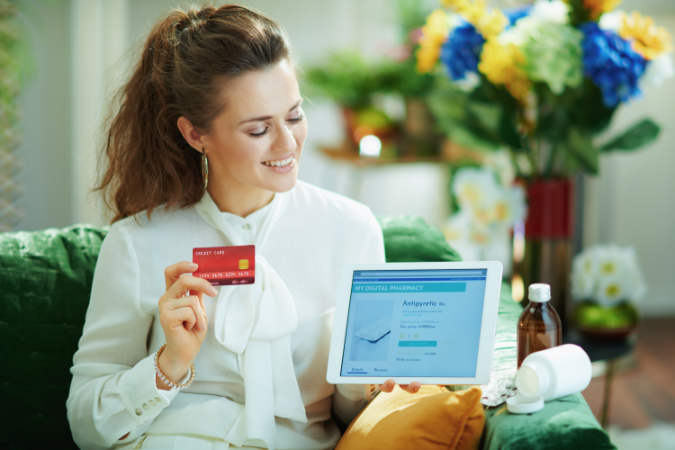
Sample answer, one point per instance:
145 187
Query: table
602 351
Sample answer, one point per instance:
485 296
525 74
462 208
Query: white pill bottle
550 374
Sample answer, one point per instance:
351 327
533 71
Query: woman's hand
183 318
388 386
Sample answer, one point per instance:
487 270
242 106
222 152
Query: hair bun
191 21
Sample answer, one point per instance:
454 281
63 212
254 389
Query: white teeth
282 163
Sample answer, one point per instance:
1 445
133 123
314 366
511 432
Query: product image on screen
414 323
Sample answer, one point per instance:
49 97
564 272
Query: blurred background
402 142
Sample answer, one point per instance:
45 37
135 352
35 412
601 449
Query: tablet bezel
487 330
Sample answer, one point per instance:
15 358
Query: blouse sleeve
349 399
113 391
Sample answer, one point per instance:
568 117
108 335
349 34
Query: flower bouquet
542 80
605 282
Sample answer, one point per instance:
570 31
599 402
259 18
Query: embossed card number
225 265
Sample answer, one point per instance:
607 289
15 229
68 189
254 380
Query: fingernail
214 291
417 388
193 265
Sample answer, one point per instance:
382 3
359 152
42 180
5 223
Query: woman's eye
261 133
297 119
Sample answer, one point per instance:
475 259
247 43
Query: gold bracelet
163 377
371 391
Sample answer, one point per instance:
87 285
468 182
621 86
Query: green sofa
45 283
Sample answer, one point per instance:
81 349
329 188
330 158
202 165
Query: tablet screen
421 323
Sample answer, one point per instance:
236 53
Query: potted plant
384 95
347 78
606 282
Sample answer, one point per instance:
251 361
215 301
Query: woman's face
256 142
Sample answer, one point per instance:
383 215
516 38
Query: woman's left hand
413 387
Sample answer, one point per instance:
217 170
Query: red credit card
225 265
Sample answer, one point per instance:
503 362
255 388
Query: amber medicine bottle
539 326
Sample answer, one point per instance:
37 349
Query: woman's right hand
183 318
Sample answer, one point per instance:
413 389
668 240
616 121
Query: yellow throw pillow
433 418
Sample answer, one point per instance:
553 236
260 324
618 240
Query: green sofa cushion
410 239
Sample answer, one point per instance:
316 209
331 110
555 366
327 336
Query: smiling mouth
280 163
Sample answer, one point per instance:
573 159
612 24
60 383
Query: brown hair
186 60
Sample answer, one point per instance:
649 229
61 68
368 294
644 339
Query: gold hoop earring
205 169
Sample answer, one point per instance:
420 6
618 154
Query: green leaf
465 138
487 114
640 134
587 110
508 132
585 153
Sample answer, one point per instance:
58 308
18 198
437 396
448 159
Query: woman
204 152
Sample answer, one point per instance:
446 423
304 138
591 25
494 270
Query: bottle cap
519 404
539 292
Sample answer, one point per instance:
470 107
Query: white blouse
261 371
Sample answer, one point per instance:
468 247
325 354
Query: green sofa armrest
565 423
46 279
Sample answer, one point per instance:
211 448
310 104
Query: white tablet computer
428 322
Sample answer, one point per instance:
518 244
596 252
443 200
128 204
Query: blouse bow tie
256 324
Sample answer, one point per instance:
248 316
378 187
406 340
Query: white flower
457 231
584 273
508 207
487 202
551 11
612 21
611 291
457 228
470 81
519 33
659 70
500 163
634 276
612 261
582 288
608 274
455 20
474 188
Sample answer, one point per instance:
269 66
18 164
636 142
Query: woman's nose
285 140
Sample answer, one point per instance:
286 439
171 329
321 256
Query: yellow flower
434 33
597 7
489 24
503 64
492 24
648 40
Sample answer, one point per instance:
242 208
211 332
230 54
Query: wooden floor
643 392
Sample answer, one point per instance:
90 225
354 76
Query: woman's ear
190 134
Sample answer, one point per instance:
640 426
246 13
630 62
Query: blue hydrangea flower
460 53
612 64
